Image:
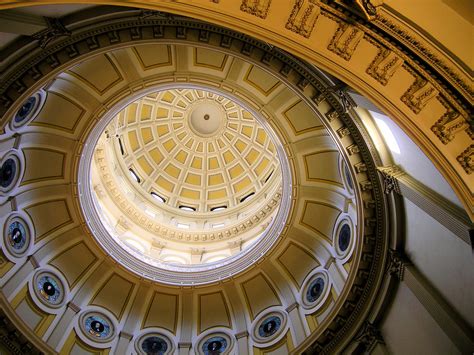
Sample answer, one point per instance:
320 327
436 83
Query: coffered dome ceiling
278 243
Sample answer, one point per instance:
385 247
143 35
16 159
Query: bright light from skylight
388 136
183 226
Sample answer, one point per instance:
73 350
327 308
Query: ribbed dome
195 148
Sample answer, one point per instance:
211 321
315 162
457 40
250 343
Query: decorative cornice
368 337
55 30
166 231
390 175
396 264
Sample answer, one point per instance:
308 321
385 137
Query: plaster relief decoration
366 8
257 8
303 17
451 123
17 236
345 40
28 111
466 159
419 93
54 30
384 65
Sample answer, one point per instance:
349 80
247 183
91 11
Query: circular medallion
315 290
215 345
98 327
344 237
48 289
16 236
269 326
10 171
29 110
7 172
154 345
154 342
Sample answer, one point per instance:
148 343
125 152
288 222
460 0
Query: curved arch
426 93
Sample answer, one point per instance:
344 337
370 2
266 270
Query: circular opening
203 156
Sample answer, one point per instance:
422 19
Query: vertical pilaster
242 343
296 323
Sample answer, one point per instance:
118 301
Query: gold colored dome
195 148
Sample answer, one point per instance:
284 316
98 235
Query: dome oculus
185 166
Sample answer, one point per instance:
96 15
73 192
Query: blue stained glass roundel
49 289
269 326
26 109
154 345
7 172
97 327
344 237
17 236
315 290
214 346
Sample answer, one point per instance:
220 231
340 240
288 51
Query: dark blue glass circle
7 172
49 289
214 346
26 109
97 327
315 290
17 235
154 346
344 237
269 326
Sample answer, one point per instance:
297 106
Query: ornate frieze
54 30
257 8
419 93
466 159
384 65
390 175
345 40
368 337
145 222
396 264
303 17
450 123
